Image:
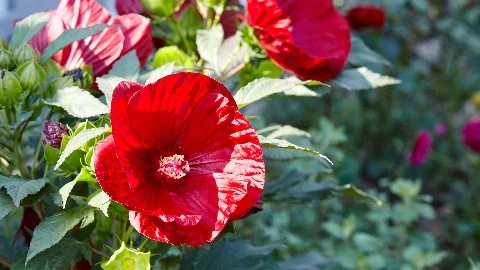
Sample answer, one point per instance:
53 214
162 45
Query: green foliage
27 28
78 102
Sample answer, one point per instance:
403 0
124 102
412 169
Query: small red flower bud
421 148
53 133
471 134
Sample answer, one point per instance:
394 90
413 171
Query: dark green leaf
361 79
6 205
362 55
69 36
27 28
309 261
20 189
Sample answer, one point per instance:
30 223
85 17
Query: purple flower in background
471 134
421 148
440 129
53 133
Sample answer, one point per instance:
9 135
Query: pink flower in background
440 129
129 6
421 148
131 32
471 134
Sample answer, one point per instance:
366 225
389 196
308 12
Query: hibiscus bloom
308 38
366 16
181 158
471 134
421 148
131 32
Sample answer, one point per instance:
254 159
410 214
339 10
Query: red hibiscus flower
181 158
101 50
421 148
471 134
367 16
308 38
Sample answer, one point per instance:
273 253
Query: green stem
35 157
21 163
143 244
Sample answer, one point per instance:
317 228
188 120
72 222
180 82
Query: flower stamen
174 166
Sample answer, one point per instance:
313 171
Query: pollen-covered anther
174 166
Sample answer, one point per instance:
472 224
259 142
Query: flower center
76 74
174 166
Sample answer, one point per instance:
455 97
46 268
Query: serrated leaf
161 72
284 144
69 36
78 141
362 55
60 256
65 191
209 42
27 28
52 229
6 205
101 201
78 102
232 255
361 79
20 189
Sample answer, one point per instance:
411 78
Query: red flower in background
181 158
101 50
308 38
367 16
471 134
421 148
129 6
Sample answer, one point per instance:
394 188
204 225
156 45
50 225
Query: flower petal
82 13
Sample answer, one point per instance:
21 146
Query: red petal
312 43
366 16
51 31
129 6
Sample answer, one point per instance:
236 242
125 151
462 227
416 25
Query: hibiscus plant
140 140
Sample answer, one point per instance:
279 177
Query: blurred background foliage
431 213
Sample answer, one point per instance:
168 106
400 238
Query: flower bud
3 44
25 53
53 133
471 134
31 75
162 8
52 68
6 59
10 89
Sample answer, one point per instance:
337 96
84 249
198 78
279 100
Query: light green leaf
65 191
52 229
362 55
171 54
78 102
6 205
101 201
277 131
361 79
209 42
231 54
20 189
107 84
27 28
161 72
69 36
284 144
78 141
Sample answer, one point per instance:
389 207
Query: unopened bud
31 75
53 133
6 59
25 53
10 89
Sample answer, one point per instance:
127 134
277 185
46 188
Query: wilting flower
53 133
366 16
440 129
127 33
471 134
421 148
181 158
308 38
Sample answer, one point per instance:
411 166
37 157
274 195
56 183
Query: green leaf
171 54
284 183
234 255
231 55
161 72
65 191
27 28
128 67
78 102
69 36
355 193
309 261
20 189
209 42
307 192
107 84
125 258
367 242
278 132
85 176
284 144
362 55
78 141
101 201
60 256
6 205
52 229
361 79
